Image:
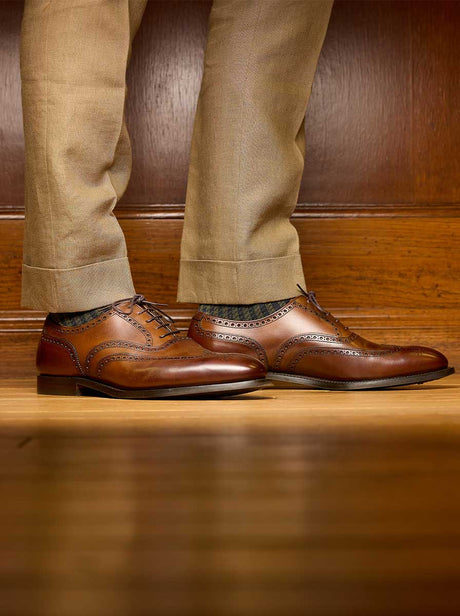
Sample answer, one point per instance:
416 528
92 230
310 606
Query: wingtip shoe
133 350
303 345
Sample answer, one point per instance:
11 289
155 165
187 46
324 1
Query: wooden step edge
176 211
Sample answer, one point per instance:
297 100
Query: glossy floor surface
281 502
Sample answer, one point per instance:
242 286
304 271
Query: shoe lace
152 308
311 296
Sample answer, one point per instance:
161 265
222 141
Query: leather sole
81 386
282 380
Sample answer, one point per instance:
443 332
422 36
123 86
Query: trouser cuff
240 282
78 288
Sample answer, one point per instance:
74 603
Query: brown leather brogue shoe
301 344
133 350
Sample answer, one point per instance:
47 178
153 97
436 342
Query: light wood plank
420 405
277 502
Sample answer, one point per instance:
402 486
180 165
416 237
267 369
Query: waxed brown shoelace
152 308
311 296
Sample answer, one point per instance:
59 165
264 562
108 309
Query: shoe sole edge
291 380
51 385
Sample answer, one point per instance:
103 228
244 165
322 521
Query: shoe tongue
324 314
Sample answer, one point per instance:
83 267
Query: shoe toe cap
228 367
426 359
213 368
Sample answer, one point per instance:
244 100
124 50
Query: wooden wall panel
358 122
11 135
350 262
382 125
436 78
163 84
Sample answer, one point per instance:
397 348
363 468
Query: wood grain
382 125
269 503
436 101
163 84
358 123
11 134
366 261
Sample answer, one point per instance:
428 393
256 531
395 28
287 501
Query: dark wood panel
358 122
163 84
11 135
379 59
436 52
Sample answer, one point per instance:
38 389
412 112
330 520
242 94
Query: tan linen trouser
246 162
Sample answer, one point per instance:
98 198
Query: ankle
244 312
72 319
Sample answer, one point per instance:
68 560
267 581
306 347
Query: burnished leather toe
423 359
200 369
304 345
228 367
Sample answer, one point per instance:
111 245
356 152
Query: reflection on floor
282 502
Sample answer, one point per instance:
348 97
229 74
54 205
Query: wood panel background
379 206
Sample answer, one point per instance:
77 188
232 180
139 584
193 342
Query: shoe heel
57 385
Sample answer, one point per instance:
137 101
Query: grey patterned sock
241 312
71 319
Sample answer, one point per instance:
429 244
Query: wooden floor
280 502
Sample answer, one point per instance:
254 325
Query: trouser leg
78 159
247 155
